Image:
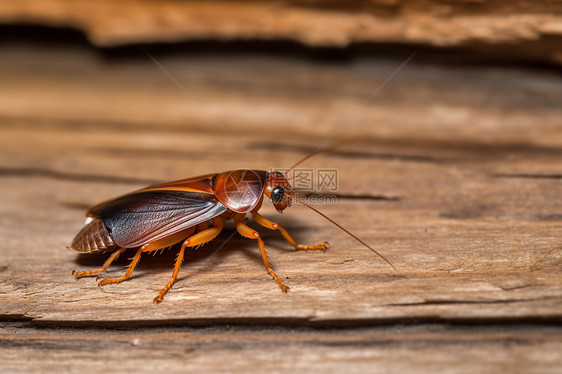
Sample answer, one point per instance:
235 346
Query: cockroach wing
146 216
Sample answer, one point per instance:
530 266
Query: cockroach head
278 190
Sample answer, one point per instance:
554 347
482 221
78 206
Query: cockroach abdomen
94 237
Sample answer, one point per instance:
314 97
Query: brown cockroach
191 210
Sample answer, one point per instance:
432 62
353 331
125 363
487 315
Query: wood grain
456 179
519 30
257 349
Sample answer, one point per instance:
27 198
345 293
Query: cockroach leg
201 237
203 226
250 233
261 220
79 274
175 273
130 268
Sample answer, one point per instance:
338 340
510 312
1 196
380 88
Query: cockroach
191 210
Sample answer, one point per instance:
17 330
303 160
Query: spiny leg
201 237
261 220
175 273
79 274
250 233
130 268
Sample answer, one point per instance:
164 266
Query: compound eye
277 194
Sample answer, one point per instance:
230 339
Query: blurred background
158 90
140 80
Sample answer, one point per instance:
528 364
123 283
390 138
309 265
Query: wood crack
52 174
527 176
74 124
452 302
343 153
279 322
352 196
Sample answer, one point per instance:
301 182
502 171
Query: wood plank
523 30
449 349
456 180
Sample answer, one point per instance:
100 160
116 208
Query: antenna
344 229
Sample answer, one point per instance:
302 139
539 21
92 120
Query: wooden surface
456 179
528 30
